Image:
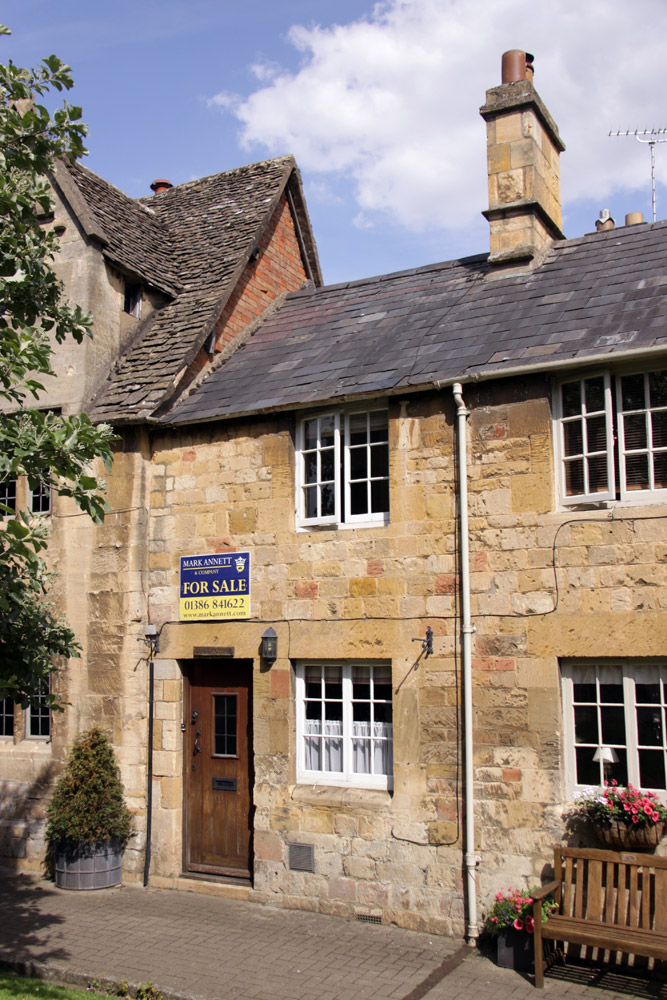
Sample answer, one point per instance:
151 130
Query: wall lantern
270 646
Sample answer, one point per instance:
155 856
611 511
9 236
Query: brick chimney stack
523 149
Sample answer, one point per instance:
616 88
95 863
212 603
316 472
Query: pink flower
656 817
499 895
494 920
518 924
626 807
634 819
530 925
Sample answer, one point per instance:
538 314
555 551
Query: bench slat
601 935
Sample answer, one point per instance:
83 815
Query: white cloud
390 102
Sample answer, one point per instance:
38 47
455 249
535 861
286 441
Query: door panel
217 759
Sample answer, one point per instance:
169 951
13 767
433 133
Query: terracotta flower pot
622 836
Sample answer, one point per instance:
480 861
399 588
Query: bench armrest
545 890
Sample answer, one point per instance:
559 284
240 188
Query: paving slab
201 946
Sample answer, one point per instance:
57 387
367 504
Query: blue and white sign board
215 587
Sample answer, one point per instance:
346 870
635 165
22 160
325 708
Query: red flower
518 924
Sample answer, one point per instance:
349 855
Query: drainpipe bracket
469 629
473 860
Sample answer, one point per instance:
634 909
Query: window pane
359 498
611 694
310 501
358 428
597 474
380 461
361 711
659 428
613 726
224 725
632 392
594 394
6 717
327 467
574 441
8 495
310 467
649 727
39 714
380 496
636 472
596 433
660 470
574 477
327 430
588 771
652 769
310 433
358 463
571 399
657 382
328 501
586 724
634 428
647 694
585 692
379 426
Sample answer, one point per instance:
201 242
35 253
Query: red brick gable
276 268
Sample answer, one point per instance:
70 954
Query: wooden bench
615 901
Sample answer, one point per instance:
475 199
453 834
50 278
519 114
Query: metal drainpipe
467 628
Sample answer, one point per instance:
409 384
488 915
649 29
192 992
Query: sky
378 103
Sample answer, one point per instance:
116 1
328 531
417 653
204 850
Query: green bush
88 803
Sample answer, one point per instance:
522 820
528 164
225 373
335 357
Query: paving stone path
194 945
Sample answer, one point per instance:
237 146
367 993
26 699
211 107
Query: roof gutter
549 366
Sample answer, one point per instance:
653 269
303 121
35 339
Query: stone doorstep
204 886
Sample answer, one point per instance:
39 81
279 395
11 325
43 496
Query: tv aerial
650 136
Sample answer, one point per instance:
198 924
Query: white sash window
344 724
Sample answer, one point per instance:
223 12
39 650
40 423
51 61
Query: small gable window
343 468
132 299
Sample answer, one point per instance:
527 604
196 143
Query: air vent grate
301 858
369 918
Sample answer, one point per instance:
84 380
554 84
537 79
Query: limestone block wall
548 584
367 593
90 283
361 593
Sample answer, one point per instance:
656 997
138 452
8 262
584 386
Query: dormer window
132 299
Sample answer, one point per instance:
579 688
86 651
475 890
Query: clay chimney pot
159 186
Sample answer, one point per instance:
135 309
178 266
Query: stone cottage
386 560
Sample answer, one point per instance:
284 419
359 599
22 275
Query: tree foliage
88 803
47 448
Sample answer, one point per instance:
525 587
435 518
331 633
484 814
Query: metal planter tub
88 866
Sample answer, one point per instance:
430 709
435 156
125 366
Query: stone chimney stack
523 147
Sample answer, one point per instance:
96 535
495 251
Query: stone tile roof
592 297
192 242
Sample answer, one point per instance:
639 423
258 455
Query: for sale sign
215 587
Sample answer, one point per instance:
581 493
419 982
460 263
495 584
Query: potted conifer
88 823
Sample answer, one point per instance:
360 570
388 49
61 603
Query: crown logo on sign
240 564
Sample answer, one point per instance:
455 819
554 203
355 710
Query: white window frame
7 711
342 470
586 496
43 491
628 494
41 713
347 777
615 444
627 672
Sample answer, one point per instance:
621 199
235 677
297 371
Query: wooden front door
218 767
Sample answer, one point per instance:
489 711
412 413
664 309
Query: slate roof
191 242
600 295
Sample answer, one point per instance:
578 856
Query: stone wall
366 593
